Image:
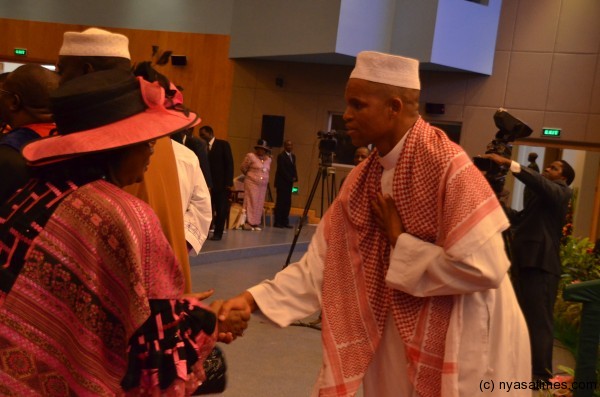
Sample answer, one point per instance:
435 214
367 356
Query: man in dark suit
200 148
536 266
285 176
25 107
221 169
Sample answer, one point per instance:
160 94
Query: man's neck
391 140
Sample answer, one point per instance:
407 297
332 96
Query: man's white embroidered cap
95 42
387 69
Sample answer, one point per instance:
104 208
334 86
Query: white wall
465 35
587 166
521 158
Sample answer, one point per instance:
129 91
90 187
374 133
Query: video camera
509 129
327 146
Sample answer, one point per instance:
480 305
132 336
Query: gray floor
269 360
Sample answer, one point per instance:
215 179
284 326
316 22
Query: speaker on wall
178 60
435 108
272 130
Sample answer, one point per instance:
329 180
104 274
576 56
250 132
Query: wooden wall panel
207 78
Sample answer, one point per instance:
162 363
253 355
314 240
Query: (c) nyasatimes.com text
487 385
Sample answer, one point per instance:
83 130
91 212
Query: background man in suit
25 107
221 168
199 147
536 266
285 176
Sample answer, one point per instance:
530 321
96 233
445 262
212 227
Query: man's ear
14 103
396 104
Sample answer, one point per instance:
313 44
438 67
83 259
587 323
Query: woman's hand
387 217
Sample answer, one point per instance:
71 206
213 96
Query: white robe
494 343
195 197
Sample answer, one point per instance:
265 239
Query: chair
236 200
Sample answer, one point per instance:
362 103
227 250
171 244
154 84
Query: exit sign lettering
20 52
551 132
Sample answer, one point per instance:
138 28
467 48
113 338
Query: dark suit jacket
15 172
286 173
221 164
537 229
199 147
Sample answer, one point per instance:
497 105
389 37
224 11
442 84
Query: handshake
232 317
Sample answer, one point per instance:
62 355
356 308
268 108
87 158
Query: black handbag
215 369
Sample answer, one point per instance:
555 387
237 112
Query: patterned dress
255 186
90 297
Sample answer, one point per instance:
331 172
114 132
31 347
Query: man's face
367 114
360 155
205 135
288 146
554 171
69 67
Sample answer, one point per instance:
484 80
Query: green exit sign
551 132
20 52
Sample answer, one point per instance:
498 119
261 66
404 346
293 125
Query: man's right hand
244 302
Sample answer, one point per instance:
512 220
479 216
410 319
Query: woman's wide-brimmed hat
262 144
106 110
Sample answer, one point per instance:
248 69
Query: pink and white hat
106 110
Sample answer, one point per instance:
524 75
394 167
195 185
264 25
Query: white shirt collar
390 160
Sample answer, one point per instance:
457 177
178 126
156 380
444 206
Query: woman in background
256 167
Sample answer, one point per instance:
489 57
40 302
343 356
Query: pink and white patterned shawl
440 196
82 292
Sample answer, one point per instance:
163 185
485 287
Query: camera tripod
325 175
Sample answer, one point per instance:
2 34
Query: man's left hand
387 217
496 158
